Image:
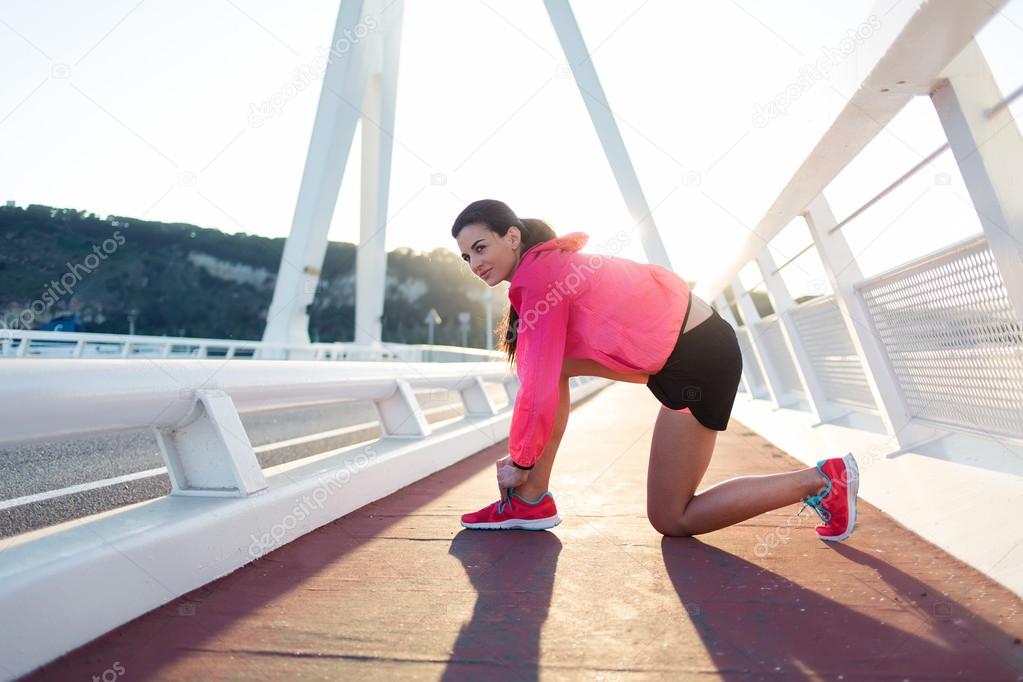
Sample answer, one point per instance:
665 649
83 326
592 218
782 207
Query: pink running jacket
625 315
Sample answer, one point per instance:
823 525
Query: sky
142 109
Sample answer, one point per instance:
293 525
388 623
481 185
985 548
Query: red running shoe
515 512
836 505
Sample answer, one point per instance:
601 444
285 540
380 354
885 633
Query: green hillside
184 280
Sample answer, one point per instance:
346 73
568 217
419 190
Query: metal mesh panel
779 356
832 355
750 368
952 338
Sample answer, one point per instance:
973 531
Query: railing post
989 151
725 311
750 315
605 124
476 400
782 301
511 387
844 272
400 414
208 453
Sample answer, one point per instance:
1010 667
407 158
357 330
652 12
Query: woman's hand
509 475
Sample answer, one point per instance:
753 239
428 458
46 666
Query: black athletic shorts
702 372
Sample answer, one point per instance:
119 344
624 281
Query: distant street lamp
432 320
490 318
463 326
132 315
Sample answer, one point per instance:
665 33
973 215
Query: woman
586 314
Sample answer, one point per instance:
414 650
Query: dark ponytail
498 217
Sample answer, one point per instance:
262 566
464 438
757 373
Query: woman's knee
669 526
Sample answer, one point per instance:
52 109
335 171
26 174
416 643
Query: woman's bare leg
679 456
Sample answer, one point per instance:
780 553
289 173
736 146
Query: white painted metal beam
377 145
844 272
725 311
604 123
751 316
93 396
822 408
989 151
366 38
915 43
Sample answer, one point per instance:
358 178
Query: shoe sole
852 489
515 524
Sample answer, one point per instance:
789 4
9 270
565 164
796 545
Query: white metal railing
831 352
919 370
750 367
952 338
106 395
224 510
936 342
46 344
790 388
435 353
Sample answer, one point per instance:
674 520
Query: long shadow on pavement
513 574
756 622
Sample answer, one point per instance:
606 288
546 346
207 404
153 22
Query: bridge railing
74 582
917 369
952 338
830 351
49 344
933 342
946 328
92 396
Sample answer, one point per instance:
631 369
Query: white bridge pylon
360 83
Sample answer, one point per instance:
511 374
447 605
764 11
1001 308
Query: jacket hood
573 241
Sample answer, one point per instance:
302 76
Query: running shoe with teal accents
515 512
836 504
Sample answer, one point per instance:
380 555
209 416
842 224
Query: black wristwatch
519 466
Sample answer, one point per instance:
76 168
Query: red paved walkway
398 591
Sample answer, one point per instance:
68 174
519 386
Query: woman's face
490 256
